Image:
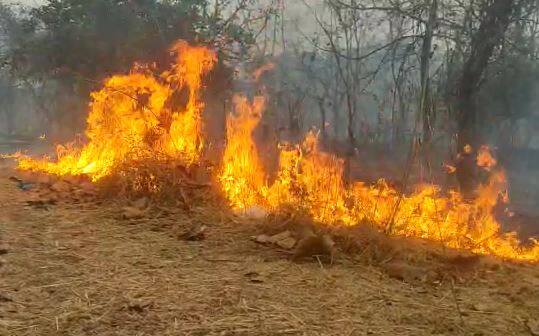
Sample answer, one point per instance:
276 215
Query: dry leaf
4 298
15 179
132 213
313 245
533 326
254 277
255 212
483 307
280 236
88 187
41 204
141 203
262 239
402 271
45 178
138 307
287 243
195 234
61 186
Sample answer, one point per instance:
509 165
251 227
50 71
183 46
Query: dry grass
78 270
165 181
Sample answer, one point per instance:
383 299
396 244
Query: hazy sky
25 2
298 14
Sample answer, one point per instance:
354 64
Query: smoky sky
25 2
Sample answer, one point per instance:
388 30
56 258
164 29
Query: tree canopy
93 39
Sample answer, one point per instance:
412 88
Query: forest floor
78 269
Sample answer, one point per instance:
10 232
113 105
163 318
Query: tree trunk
323 120
425 69
6 106
9 118
494 22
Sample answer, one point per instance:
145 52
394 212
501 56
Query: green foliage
66 39
99 37
63 49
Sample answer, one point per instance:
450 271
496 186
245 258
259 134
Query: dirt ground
77 269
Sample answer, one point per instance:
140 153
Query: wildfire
140 116
135 116
311 180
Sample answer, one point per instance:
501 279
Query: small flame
449 169
261 70
485 159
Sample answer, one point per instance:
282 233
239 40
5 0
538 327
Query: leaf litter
367 270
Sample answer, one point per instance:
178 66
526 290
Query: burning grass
143 140
311 181
162 181
135 117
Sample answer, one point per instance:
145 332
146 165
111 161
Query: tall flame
243 177
311 180
134 116
186 128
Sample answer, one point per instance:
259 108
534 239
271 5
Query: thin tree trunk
323 120
424 70
490 34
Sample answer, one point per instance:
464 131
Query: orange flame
242 176
137 116
186 128
133 117
450 169
311 180
485 158
262 70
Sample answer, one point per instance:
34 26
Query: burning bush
132 122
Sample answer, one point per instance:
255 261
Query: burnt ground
78 269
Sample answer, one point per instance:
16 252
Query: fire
186 129
311 180
138 117
134 116
242 176
450 169
262 70
485 159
